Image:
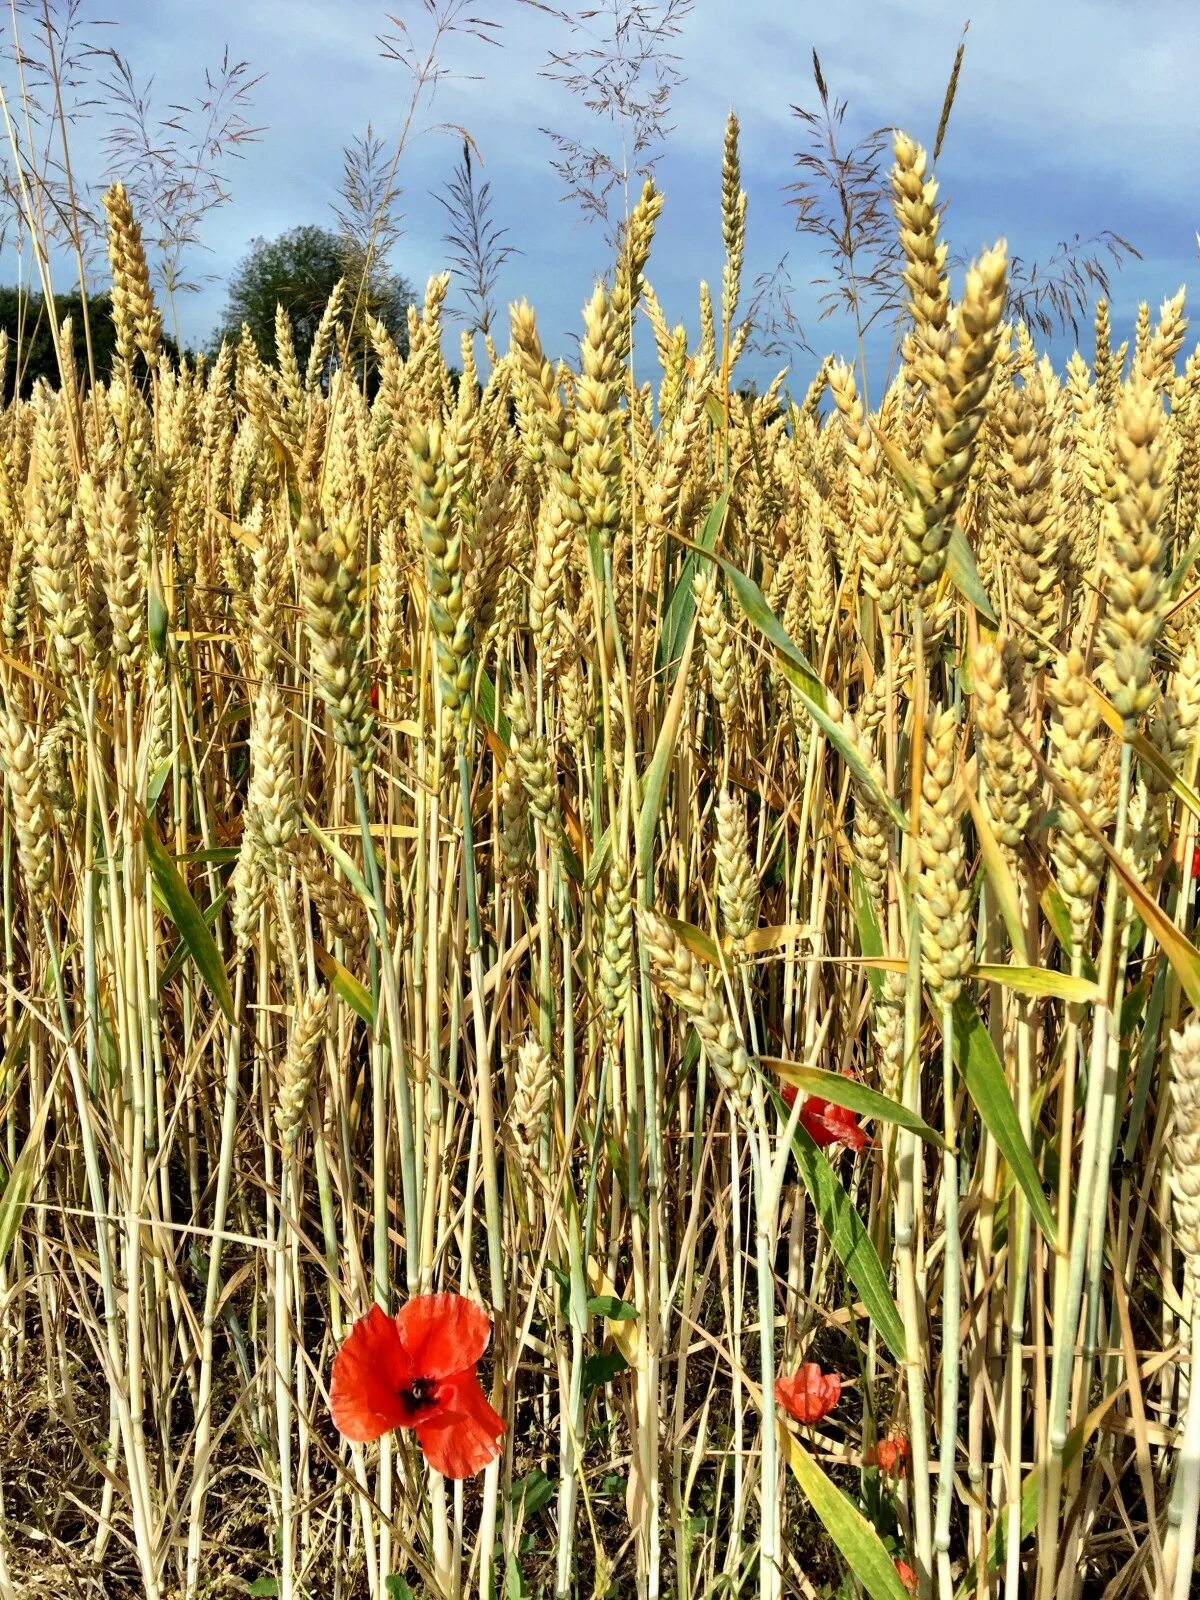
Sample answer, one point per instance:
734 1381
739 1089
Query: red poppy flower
1196 861
788 1093
417 1370
906 1575
374 697
828 1124
809 1394
889 1455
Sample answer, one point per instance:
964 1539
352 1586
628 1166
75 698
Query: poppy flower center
420 1392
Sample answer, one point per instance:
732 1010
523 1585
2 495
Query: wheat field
709 877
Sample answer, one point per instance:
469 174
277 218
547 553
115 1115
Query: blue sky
1072 116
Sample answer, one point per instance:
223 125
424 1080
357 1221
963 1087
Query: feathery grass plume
737 881
598 421
733 224
957 397
441 535
272 803
1076 749
1157 364
616 949
1006 767
875 508
1033 529
1185 1142
296 1078
1135 559
719 655
136 319
32 818
677 972
334 603
943 898
534 1081
915 201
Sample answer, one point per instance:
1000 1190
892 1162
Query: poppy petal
815 1123
443 1333
832 1124
462 1433
369 1371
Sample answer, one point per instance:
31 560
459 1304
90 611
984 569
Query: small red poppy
906 1575
809 1394
889 1455
374 697
1196 861
828 1124
417 1370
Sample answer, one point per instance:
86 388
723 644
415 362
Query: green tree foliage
31 352
298 271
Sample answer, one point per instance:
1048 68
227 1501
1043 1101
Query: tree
298 271
31 345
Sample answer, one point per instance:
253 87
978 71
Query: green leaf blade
185 914
983 1074
848 1238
